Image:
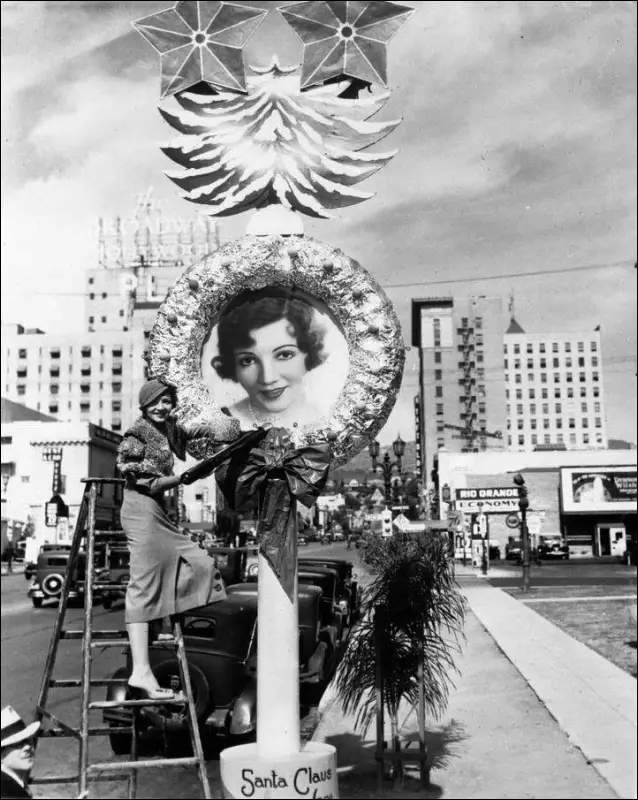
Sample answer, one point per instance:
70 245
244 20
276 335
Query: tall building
139 260
90 377
554 390
462 395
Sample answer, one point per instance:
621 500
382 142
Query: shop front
598 510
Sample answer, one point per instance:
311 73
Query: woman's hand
197 429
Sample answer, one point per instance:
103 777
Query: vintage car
118 574
552 547
221 645
49 573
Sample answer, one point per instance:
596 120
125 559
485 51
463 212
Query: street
26 634
564 573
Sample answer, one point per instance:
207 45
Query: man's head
16 747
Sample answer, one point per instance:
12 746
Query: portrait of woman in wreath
276 361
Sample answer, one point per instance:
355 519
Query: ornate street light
387 465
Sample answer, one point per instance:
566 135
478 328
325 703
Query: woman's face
272 369
19 757
159 410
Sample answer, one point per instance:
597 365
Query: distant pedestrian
9 555
17 754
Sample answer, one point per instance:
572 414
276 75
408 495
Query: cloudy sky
517 156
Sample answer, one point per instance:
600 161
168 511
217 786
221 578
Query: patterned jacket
146 452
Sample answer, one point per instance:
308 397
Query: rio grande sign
489 500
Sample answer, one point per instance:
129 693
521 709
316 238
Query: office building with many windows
81 377
554 390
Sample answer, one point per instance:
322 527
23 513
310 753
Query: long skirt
170 574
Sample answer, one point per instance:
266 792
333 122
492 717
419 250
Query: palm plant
413 626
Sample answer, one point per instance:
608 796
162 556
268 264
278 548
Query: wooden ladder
116 770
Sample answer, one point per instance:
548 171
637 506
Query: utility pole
523 504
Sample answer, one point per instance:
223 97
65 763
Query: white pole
277 665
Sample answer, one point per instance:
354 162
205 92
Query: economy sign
489 500
594 490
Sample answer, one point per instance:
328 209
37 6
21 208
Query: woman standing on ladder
170 573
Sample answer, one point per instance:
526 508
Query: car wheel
169 669
52 585
37 602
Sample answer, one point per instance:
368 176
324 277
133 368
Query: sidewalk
535 714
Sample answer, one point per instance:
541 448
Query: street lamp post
523 504
387 465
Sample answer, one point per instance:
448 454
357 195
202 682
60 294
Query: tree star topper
345 38
201 41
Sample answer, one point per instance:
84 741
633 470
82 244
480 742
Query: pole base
310 773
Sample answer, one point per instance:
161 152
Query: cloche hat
153 389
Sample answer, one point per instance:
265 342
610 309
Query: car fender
243 714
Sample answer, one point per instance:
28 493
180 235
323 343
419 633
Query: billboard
488 499
590 490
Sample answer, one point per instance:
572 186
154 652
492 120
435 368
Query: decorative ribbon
279 475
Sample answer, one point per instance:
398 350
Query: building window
583 391
530 377
22 372
478 323
438 391
533 424
85 388
559 423
521 440
118 371
116 426
585 422
545 394
596 391
518 378
570 393
572 422
92 296
557 377
482 408
560 439
506 364
572 438
54 388
55 353
21 389
530 363
599 422
479 358
104 295
581 347
568 347
517 363
117 388
520 424
594 376
556 363
103 319
555 347
569 377
543 377
597 408
534 439
53 408
517 349
547 439
519 394
121 312
519 408
54 372
582 377
581 362
599 438
543 363
532 409
594 362
542 348
508 409
22 353
583 408
439 409
117 352
438 374
532 394
559 408
85 408
593 346
437 354
86 352
530 347
546 424
568 363
557 393
116 405
585 438
86 372
439 426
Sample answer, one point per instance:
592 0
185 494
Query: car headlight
253 570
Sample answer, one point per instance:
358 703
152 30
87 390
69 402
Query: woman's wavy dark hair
235 331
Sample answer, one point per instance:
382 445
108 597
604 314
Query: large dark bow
279 475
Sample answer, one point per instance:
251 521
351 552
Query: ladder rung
114 587
75 779
127 766
110 643
74 683
122 634
133 703
98 731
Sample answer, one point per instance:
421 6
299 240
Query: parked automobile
221 648
630 556
552 547
50 571
118 574
514 550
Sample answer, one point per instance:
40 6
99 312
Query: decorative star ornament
201 41
345 38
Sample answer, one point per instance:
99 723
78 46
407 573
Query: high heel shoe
143 693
